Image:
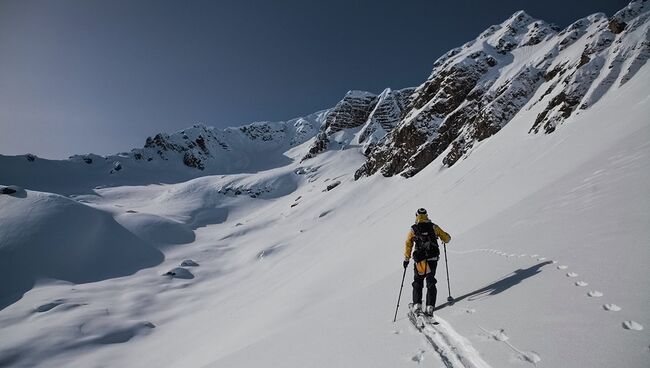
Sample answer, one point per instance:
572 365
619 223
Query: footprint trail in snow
500 336
631 325
419 357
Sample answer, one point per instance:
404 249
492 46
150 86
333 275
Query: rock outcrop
375 114
201 147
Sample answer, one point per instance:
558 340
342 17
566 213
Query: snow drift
44 235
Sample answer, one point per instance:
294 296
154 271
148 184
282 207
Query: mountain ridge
471 93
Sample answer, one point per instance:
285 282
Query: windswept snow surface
548 261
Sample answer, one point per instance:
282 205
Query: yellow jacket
446 238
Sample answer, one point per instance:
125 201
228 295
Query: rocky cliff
376 114
474 90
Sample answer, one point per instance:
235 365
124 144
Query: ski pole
400 295
450 299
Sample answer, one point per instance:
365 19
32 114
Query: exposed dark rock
333 185
192 161
616 26
251 192
625 18
179 273
201 143
351 112
566 105
262 132
552 73
189 263
7 190
393 156
457 151
389 109
584 59
320 144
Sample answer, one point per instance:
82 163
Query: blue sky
100 76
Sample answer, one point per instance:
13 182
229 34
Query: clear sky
79 76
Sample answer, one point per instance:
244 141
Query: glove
406 263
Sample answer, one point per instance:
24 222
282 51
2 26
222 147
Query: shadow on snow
500 285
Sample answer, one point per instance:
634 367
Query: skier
423 235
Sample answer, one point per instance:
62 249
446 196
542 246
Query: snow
548 259
45 235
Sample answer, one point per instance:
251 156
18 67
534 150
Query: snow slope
46 235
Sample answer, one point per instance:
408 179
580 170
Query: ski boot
429 311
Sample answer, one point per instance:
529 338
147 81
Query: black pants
418 284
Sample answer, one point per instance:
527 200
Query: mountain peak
359 93
520 16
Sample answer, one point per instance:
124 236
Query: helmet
421 211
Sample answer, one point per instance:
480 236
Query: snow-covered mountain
272 244
374 115
170 158
476 89
472 92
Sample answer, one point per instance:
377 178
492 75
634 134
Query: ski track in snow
454 349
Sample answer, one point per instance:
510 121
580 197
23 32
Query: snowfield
299 265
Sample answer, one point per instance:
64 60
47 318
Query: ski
430 320
420 320
416 320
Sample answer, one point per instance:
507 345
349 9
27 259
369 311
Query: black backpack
426 241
